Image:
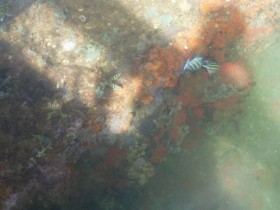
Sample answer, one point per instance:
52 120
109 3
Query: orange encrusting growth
225 26
115 157
221 24
209 6
236 74
146 98
180 117
175 133
198 112
158 154
160 69
186 99
189 40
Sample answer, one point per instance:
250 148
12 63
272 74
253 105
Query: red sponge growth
236 74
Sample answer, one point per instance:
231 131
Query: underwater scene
139 105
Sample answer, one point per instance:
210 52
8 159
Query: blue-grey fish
196 63
3 9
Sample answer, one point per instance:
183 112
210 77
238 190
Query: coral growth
94 125
114 157
187 99
188 40
162 67
190 144
221 24
158 154
180 117
236 74
146 98
210 6
139 168
175 134
199 112
170 61
222 28
159 70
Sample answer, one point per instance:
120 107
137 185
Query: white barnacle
82 18
68 44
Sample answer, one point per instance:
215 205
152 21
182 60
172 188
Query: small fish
196 63
113 83
210 65
115 76
115 86
3 9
